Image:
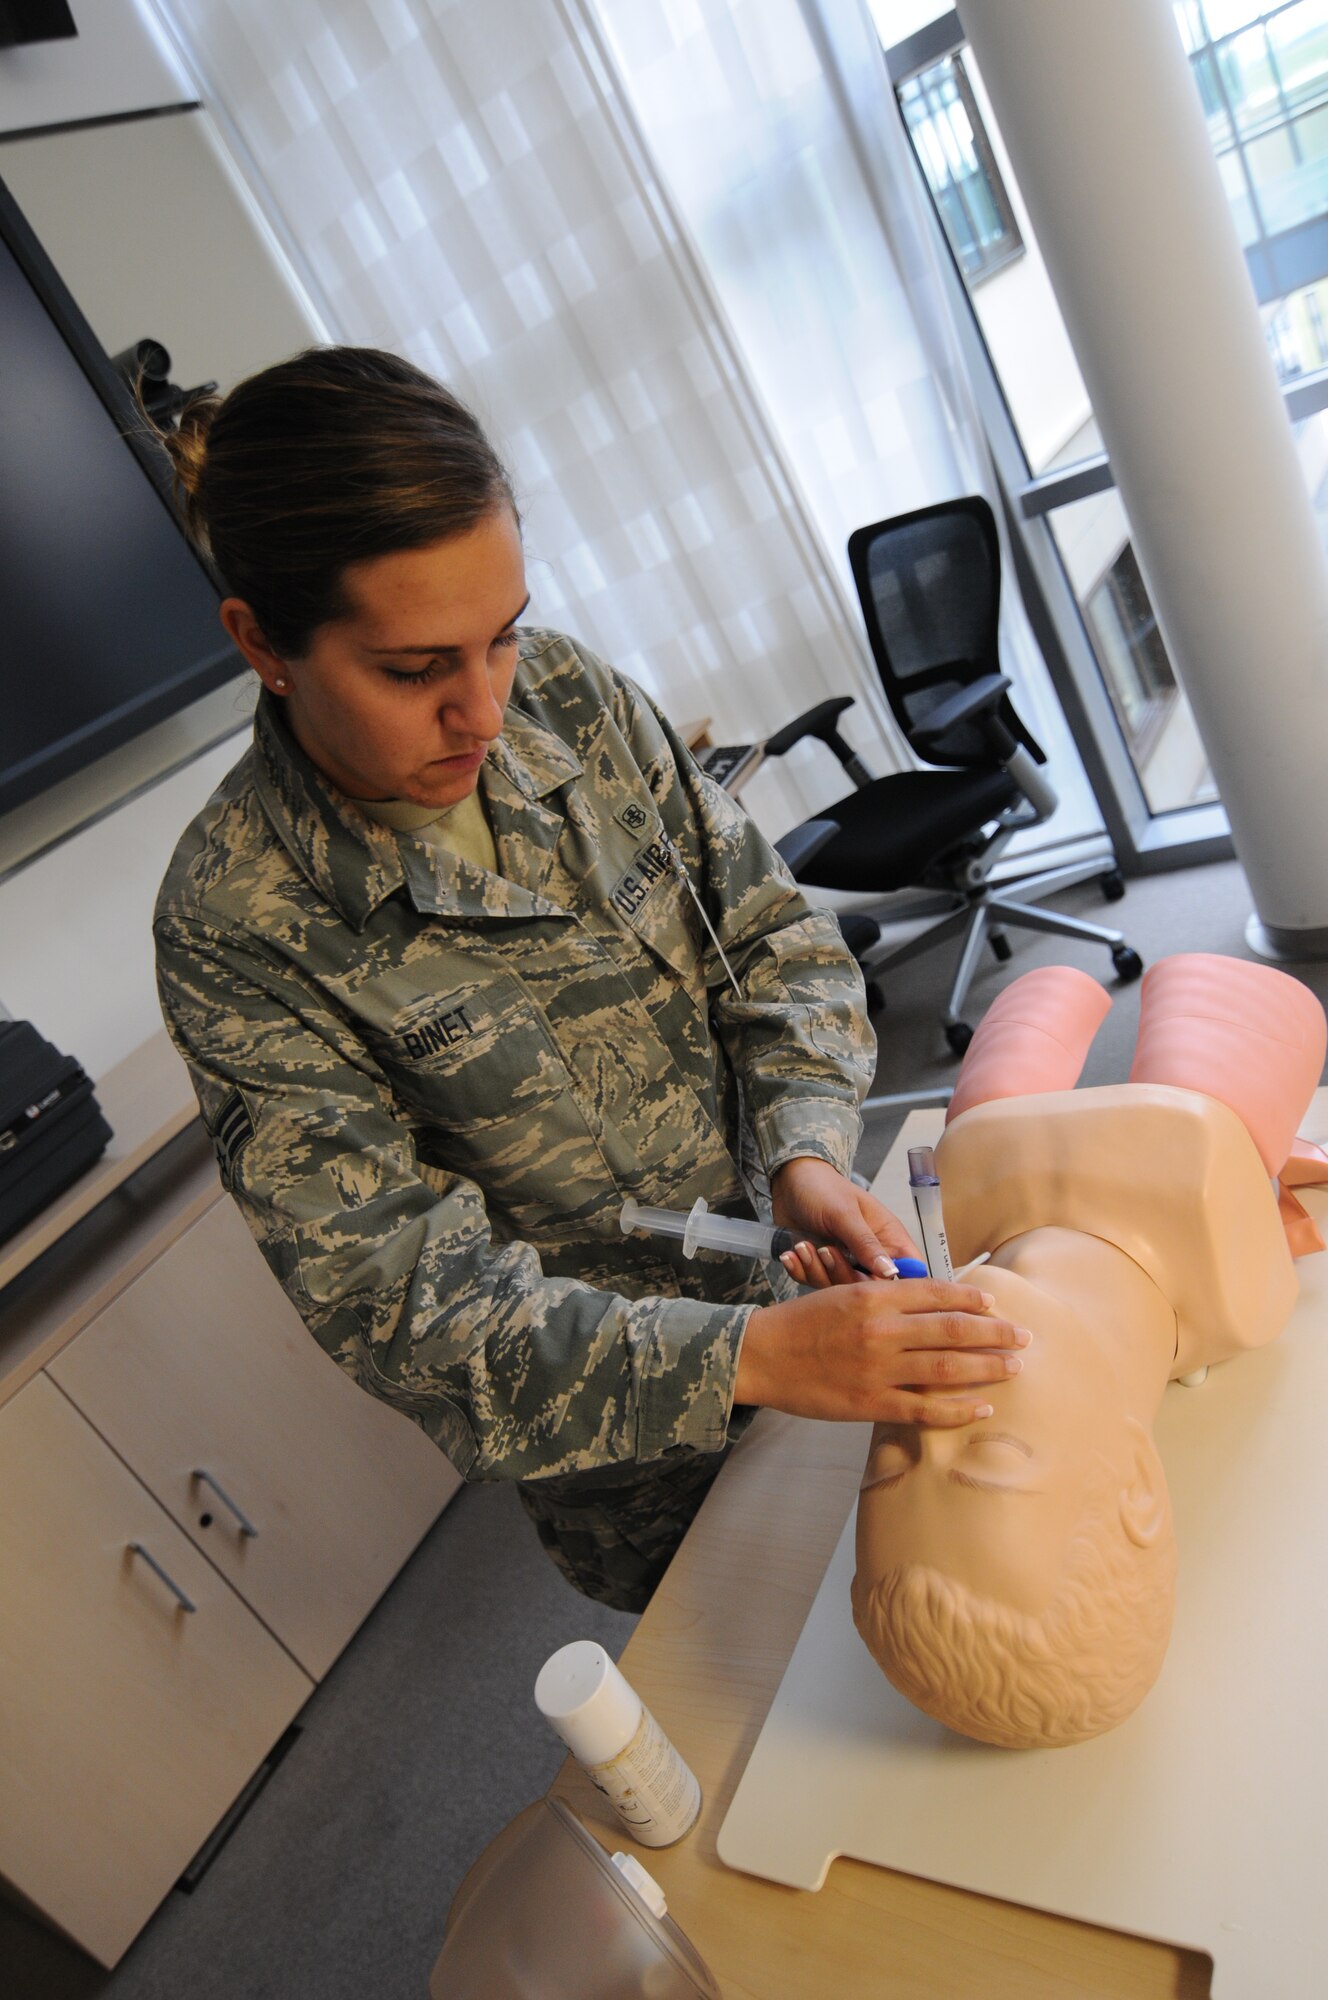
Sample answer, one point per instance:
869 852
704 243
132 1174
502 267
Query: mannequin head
1015 1578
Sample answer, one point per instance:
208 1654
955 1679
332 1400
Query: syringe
700 1229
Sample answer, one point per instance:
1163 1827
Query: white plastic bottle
614 1737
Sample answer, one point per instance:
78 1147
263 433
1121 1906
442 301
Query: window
952 146
1150 761
1142 684
1262 75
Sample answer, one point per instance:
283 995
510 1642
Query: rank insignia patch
231 1134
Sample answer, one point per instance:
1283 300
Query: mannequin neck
1123 1312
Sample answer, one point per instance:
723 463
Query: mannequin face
402 698
997 1505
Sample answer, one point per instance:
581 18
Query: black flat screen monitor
108 620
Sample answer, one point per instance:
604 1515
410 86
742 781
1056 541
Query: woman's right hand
894 1352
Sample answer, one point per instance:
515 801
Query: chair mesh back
930 588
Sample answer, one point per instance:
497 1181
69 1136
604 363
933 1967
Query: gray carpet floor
423 1740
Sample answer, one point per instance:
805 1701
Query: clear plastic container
544 1914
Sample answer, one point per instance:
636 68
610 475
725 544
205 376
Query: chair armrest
798 847
819 721
981 697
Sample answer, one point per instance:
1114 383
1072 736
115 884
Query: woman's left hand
835 1220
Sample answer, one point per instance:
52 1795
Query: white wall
153 233
119 61
75 926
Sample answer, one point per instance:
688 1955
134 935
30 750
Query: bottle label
648 1785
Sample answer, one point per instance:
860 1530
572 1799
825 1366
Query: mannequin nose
940 1448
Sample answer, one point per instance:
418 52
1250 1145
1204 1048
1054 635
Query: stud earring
280 684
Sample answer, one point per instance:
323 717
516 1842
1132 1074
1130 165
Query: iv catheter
926 1189
701 1229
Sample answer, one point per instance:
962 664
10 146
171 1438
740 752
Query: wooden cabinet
306 1493
128 1724
160 1399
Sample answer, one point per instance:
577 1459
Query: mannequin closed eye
988 1461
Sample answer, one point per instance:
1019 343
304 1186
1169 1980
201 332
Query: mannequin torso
1168 1176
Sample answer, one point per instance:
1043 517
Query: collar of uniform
353 862
525 765
530 756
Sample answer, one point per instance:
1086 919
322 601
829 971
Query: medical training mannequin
1015 1578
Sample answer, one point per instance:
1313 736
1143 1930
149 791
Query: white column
1103 123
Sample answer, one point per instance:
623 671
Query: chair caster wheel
958 1034
1127 962
1113 886
1001 945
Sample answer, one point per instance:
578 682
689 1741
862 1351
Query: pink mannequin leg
1248 1035
1034 1037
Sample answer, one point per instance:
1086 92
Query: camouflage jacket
430 1088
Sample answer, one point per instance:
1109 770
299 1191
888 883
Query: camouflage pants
614 1531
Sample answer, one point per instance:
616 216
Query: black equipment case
51 1127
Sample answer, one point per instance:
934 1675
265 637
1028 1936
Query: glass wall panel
1192 30
1232 169
1262 76
1093 537
1312 450
1298 38
1030 350
1213 98
1159 731
1248 83
1224 17
1290 171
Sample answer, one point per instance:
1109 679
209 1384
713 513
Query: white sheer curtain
775 124
640 238
464 185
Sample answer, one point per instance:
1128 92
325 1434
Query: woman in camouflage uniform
441 956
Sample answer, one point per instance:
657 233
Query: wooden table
708 1657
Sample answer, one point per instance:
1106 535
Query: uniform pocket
479 1051
478 1069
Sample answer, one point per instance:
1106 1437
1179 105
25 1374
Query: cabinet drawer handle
246 1525
187 1603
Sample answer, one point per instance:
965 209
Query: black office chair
929 583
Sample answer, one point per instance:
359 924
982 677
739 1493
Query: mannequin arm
1034 1037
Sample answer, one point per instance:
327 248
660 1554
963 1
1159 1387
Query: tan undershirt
463 829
